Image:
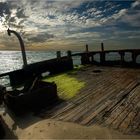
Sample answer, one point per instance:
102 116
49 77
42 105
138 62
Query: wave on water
12 60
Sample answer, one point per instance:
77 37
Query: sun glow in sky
70 24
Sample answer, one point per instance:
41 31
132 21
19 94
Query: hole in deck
96 71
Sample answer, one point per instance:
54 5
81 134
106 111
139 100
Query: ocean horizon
12 60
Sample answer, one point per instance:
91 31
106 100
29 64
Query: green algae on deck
67 85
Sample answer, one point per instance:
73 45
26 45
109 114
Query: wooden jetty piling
102 46
85 59
134 57
58 54
102 55
87 48
69 54
122 54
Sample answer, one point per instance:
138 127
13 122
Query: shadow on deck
110 98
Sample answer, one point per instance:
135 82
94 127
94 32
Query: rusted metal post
58 53
102 46
134 56
122 54
85 57
102 54
21 45
69 58
69 54
87 48
92 58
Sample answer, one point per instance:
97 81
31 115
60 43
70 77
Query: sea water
12 60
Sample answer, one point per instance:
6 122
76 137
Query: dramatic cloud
71 22
42 37
136 4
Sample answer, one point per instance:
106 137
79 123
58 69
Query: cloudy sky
70 24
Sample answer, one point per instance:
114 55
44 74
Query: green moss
67 85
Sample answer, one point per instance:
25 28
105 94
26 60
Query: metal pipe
21 45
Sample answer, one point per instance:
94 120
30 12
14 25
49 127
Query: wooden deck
111 98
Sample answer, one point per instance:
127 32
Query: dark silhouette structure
88 57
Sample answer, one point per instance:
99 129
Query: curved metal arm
21 45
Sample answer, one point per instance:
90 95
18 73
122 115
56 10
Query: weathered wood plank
108 92
88 119
120 107
134 124
111 102
101 117
81 98
124 125
105 100
83 107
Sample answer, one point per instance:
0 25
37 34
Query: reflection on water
12 60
